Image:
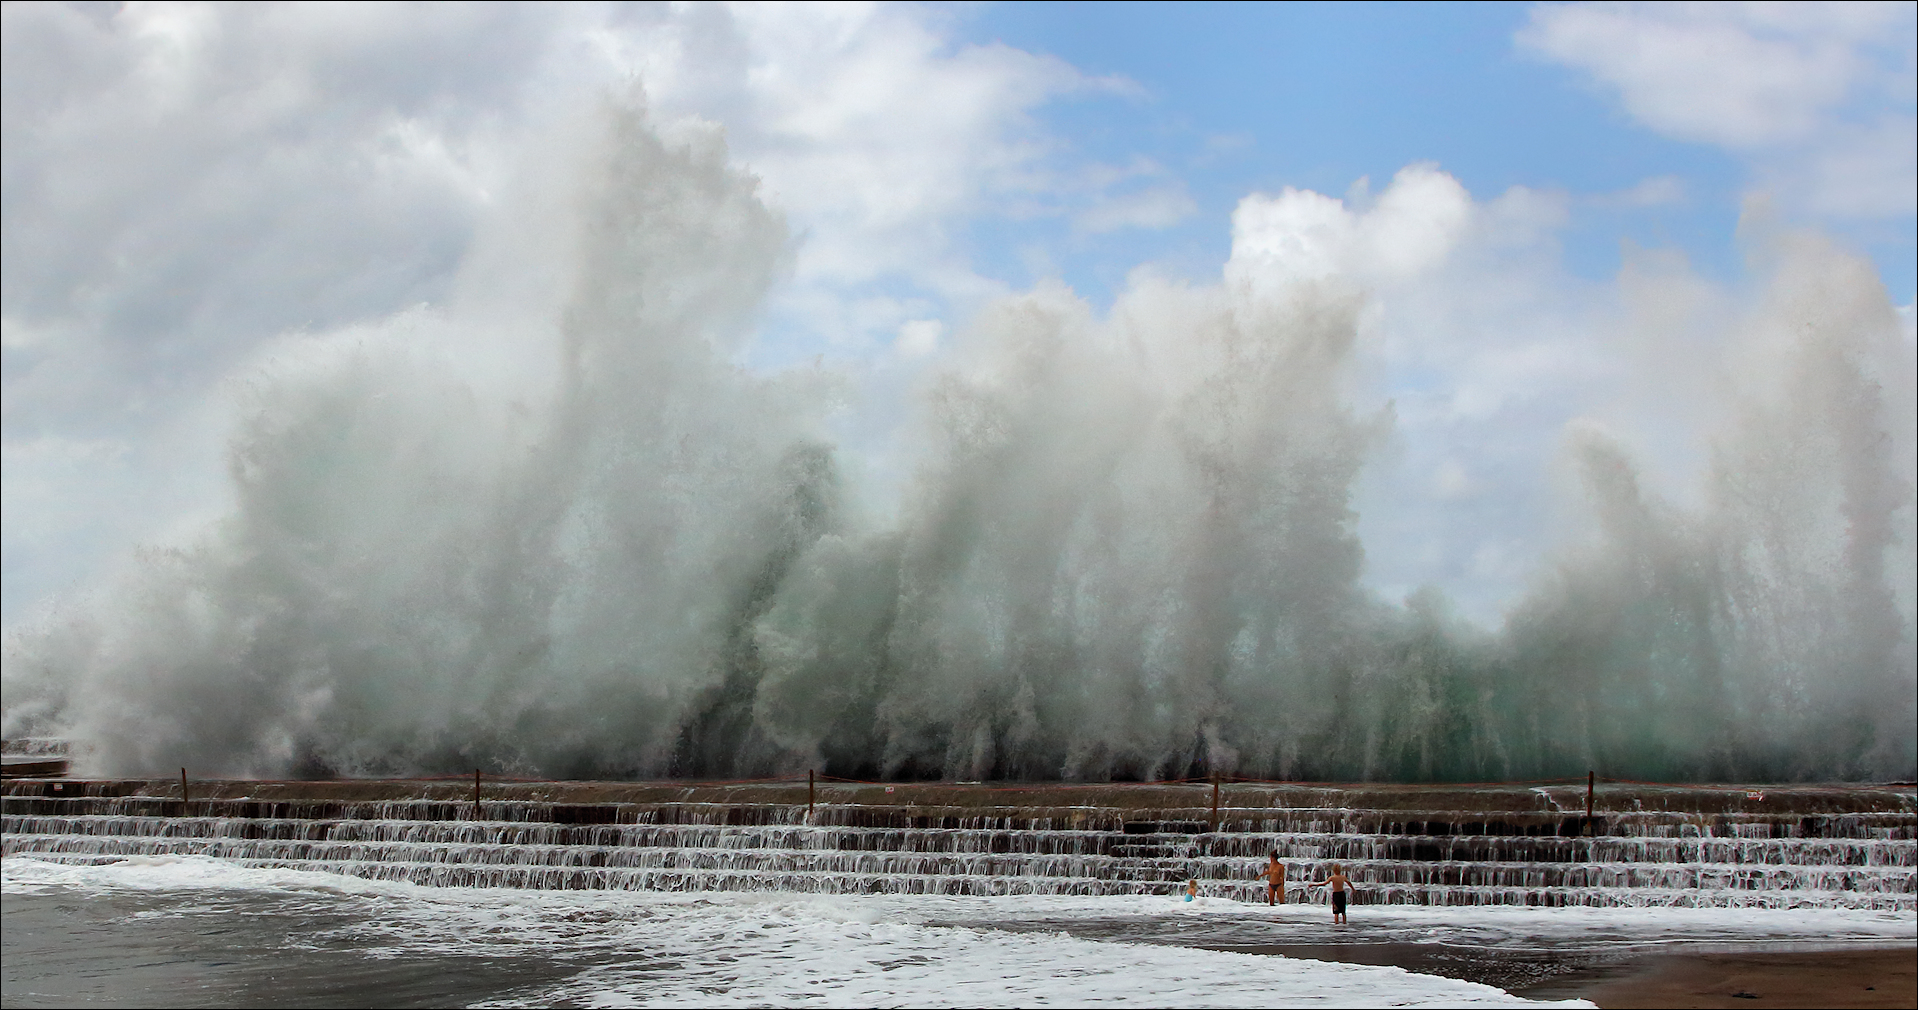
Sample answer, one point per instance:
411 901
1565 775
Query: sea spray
1129 550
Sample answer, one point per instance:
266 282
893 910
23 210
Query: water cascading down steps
1828 846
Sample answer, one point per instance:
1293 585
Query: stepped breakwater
1641 845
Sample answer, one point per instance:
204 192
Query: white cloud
869 128
1156 207
1729 74
182 181
1656 191
185 183
1451 482
1861 171
1302 235
1819 96
919 337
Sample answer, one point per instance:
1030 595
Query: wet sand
1513 971
1765 976
1828 978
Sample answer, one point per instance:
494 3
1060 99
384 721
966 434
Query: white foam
775 948
639 948
789 955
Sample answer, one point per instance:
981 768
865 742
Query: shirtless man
1338 883
1275 881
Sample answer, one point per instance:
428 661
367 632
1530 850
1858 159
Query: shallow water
64 949
204 932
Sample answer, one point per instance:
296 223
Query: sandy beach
1843 977
1829 978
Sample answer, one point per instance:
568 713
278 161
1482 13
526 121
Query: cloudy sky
1545 201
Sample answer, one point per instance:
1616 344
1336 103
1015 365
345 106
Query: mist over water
1127 550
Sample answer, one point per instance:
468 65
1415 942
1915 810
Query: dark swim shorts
1338 902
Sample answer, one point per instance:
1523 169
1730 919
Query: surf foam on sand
638 948
644 948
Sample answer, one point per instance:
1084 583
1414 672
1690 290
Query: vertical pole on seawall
1591 784
183 798
809 791
476 813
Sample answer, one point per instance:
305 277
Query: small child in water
1338 882
1191 888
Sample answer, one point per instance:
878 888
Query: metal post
810 785
476 810
1591 784
183 797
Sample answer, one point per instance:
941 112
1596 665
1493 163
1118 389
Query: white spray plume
1129 549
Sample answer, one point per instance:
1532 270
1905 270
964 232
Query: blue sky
189 190
1238 98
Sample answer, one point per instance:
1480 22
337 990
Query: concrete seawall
1646 845
1239 806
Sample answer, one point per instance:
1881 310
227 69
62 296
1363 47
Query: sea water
180 930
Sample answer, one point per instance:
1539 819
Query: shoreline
1809 974
1835 977
1611 963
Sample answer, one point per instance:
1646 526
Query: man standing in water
1338 883
1275 881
